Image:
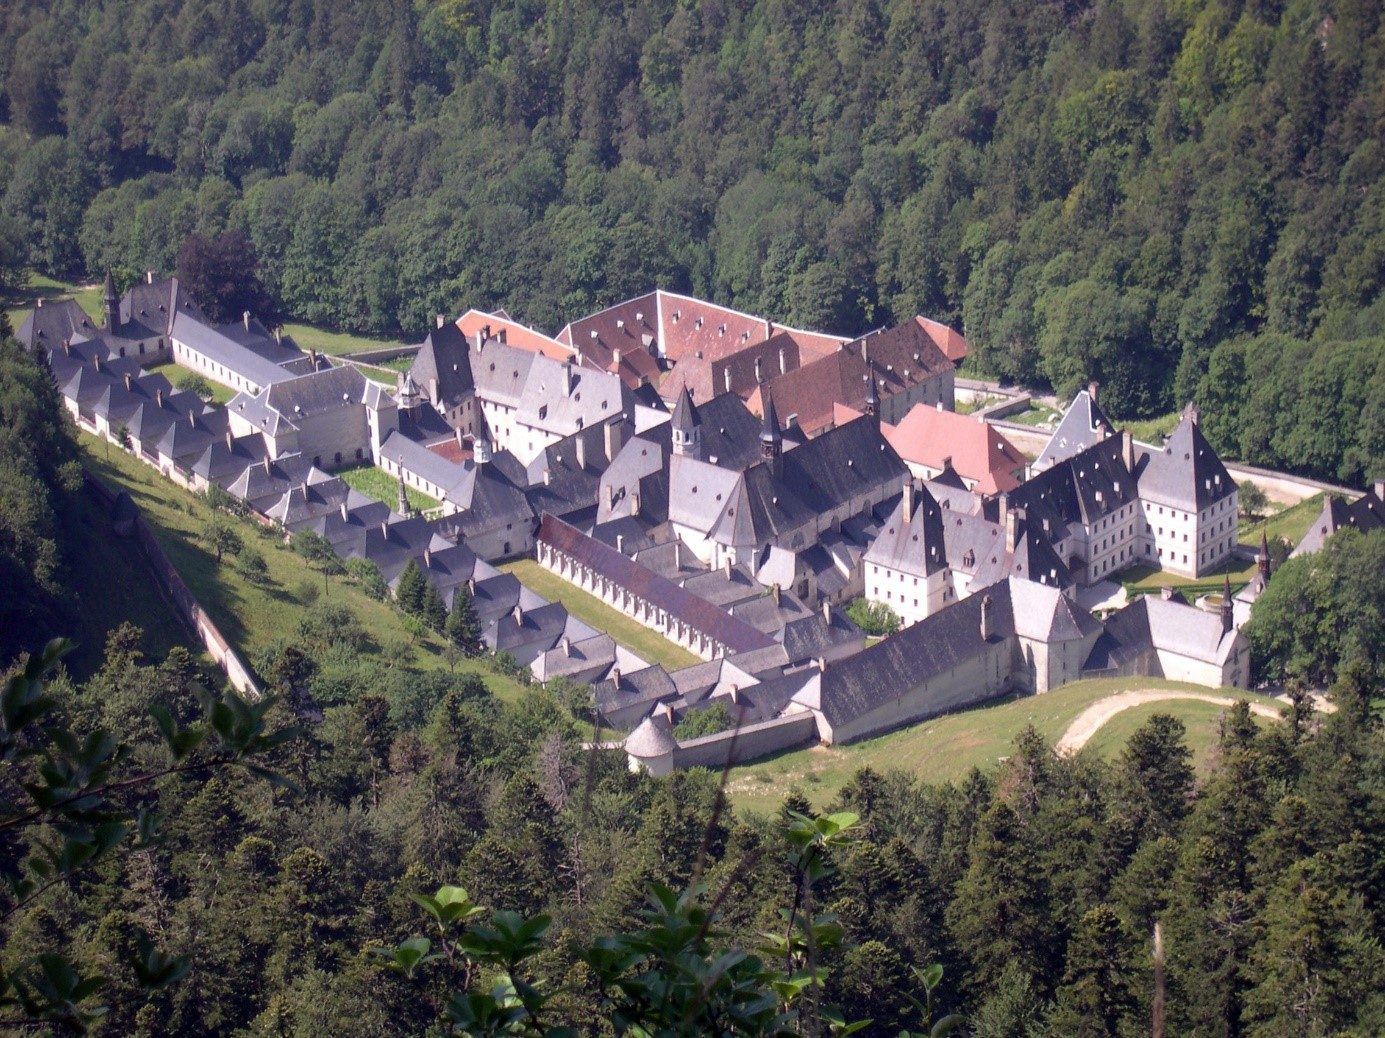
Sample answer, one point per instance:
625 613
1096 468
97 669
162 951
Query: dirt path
1089 721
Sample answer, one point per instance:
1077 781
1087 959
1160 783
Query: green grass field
946 748
379 484
338 344
18 304
1152 430
177 374
1037 415
1199 717
254 617
1290 523
639 639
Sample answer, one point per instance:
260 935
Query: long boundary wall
184 601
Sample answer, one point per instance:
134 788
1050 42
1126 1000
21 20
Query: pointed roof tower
771 438
687 436
111 303
872 395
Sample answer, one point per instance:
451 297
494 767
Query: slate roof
1082 488
1186 474
1153 623
221 462
214 342
1079 429
939 643
651 739
444 358
697 613
913 543
320 392
1366 513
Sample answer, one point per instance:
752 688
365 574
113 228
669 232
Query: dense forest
1178 197
247 876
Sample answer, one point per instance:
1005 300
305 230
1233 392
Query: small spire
403 495
1226 606
1262 560
771 439
111 303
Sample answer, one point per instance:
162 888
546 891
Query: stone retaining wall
171 584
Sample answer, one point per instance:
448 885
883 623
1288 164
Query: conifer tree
411 589
462 628
434 610
1095 997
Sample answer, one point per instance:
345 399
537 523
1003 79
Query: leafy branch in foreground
66 804
669 977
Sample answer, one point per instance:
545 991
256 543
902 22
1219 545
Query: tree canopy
1156 195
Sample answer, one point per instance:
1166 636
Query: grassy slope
942 749
254 617
1200 719
636 637
112 584
336 343
379 484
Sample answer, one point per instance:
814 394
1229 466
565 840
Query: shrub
366 574
875 618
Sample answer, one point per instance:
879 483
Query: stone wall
182 599
735 746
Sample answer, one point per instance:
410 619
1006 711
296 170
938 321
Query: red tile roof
979 453
949 341
516 334
899 358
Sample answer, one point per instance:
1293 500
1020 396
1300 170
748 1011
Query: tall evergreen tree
412 589
462 628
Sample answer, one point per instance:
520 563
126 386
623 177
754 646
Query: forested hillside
1109 190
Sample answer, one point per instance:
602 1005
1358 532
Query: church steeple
687 436
111 303
771 439
872 395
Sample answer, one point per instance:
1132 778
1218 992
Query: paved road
1089 722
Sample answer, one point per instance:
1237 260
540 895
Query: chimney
947 463
987 624
312 358
345 516
1012 517
613 437
635 501
615 357
129 381
1380 489
821 663
827 612
620 543
461 442
441 319
567 380
1262 560
148 277
615 678
610 495
38 303
1092 388
518 613
783 361
471 587
192 419
1128 450
159 398
774 590
278 335
677 555
580 447
230 439
908 499
726 565
268 466
567 646
427 558
245 319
